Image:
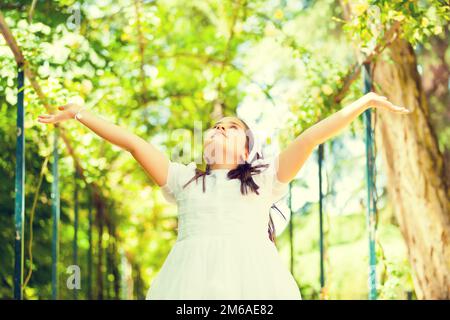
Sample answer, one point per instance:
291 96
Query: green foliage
419 20
346 265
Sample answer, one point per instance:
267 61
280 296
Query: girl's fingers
400 109
394 108
383 102
46 118
404 110
386 104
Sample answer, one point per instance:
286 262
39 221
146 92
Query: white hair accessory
255 147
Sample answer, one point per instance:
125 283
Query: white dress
223 250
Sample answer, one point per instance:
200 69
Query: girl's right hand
68 112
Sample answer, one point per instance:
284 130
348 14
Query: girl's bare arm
297 152
154 162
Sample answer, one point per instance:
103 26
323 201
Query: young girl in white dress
225 246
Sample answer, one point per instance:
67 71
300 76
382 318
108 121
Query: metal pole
75 227
291 231
90 249
55 216
371 212
322 268
123 275
19 207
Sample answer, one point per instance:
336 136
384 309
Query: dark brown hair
244 173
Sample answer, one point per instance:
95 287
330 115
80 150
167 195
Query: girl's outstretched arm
297 152
154 162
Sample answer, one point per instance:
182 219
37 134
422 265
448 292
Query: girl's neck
223 167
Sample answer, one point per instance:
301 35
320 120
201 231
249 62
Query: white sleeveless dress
223 250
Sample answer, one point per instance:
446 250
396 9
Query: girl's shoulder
268 177
269 166
177 175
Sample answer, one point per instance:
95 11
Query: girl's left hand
374 100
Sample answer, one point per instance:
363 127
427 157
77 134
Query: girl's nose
221 128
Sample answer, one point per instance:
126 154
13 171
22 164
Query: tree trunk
415 171
435 81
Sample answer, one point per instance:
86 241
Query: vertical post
371 211
322 268
19 205
100 273
291 231
55 217
90 249
123 275
107 269
75 227
409 295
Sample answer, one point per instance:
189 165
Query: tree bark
435 81
415 170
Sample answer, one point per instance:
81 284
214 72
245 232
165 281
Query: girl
222 249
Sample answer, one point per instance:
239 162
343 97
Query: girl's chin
211 159
214 144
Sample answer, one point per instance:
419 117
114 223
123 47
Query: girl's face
225 142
